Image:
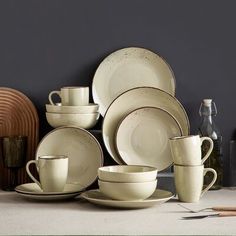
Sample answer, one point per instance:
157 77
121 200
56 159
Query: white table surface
19 216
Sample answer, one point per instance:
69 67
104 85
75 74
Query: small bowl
90 108
127 191
127 173
85 121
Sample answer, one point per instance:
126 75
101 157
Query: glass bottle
208 128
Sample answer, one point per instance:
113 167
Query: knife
220 214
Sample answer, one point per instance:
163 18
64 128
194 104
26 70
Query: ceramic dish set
74 108
133 89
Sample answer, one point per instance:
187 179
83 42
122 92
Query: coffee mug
186 150
71 96
53 171
189 182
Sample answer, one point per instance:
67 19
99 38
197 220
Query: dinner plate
137 98
142 137
83 150
157 198
129 68
32 191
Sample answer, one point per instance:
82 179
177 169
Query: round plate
96 197
142 137
130 68
137 98
82 148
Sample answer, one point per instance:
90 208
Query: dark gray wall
48 44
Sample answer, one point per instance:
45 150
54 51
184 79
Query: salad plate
83 150
134 99
142 137
32 191
129 68
157 198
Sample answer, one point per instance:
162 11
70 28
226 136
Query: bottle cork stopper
207 102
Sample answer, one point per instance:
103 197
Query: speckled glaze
129 68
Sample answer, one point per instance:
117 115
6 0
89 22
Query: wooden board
18 116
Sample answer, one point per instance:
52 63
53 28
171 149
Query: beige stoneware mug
53 171
186 150
189 182
71 96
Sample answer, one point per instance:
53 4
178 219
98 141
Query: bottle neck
207 118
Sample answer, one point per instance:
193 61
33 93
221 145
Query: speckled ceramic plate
142 137
134 99
83 150
157 198
129 68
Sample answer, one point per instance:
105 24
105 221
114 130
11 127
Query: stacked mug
189 168
74 108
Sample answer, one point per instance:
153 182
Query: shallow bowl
127 191
127 173
85 121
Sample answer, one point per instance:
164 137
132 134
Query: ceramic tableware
53 171
98 198
127 191
59 108
83 150
142 137
186 150
129 68
85 121
71 96
137 98
189 182
127 173
33 191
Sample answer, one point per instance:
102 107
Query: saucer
157 198
32 191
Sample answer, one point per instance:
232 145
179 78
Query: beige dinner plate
82 148
142 137
129 68
157 198
137 98
32 191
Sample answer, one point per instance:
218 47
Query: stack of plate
135 90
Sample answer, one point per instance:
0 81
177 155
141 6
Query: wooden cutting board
18 116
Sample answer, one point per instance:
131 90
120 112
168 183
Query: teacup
186 150
71 96
53 171
189 182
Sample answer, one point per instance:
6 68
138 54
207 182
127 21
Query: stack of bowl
127 182
74 109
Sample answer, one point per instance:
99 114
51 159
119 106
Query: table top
20 216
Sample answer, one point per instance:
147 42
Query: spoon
220 214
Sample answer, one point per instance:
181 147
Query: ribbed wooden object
18 116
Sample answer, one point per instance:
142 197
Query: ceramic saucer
32 191
96 197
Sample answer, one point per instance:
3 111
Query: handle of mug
50 96
210 148
29 173
213 180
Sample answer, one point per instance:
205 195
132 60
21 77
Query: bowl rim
127 183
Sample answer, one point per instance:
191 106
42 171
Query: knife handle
223 208
227 213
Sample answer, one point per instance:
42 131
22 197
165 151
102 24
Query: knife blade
220 214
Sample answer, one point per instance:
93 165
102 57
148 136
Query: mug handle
29 173
50 96
212 182
210 148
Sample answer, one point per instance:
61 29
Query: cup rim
52 157
75 87
189 166
184 137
